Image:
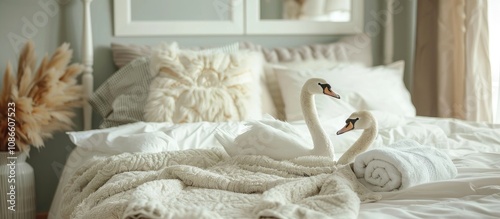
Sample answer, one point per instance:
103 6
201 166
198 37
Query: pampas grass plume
44 98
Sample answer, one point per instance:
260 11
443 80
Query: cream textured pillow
209 86
360 88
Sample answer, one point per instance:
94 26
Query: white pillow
200 86
378 88
318 56
273 85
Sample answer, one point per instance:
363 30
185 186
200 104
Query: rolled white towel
401 165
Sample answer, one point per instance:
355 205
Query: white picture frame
125 26
256 26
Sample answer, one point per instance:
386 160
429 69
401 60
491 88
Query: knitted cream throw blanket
208 184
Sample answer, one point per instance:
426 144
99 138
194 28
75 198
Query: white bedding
473 147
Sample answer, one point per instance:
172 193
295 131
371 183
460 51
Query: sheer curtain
452 76
493 18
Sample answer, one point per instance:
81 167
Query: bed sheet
474 148
474 193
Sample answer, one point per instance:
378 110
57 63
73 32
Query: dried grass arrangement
44 99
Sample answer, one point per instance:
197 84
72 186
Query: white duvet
473 147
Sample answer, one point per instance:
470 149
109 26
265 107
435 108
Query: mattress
473 147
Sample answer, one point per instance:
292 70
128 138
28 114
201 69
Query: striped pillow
121 98
125 53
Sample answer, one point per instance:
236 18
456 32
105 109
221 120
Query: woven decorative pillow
209 86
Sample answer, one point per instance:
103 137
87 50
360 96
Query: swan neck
366 138
362 144
321 142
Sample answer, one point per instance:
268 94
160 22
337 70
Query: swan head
319 86
358 120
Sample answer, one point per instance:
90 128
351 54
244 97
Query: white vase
17 187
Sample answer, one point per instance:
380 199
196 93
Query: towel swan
359 120
280 140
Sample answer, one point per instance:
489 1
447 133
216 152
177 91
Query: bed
156 154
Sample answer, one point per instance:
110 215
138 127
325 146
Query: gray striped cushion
125 53
120 100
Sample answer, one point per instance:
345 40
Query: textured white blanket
209 184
